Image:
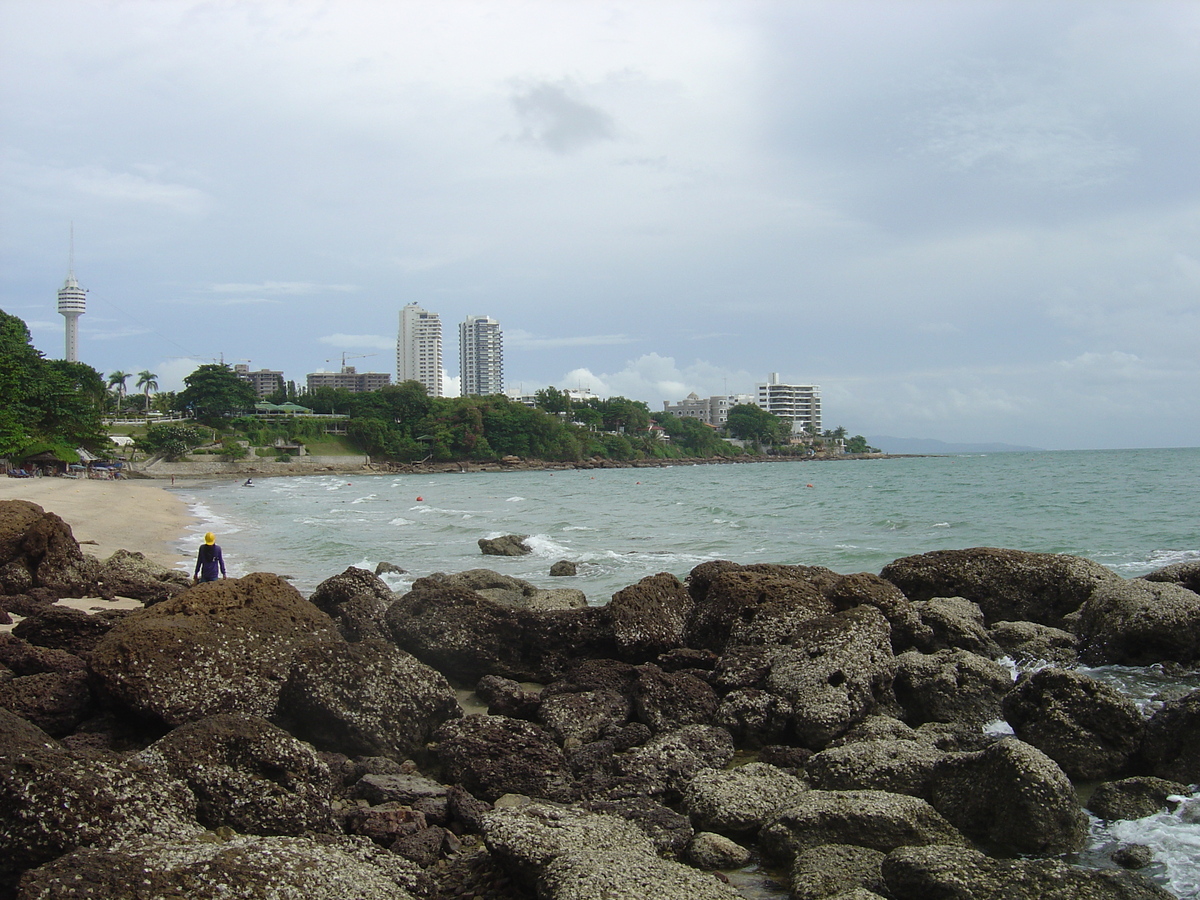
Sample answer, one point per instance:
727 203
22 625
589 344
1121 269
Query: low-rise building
711 411
349 379
264 381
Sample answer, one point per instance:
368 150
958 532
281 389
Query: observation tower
72 303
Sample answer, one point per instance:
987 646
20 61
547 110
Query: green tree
170 440
552 400
117 380
748 422
148 382
215 392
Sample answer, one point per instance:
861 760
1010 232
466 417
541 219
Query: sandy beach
109 515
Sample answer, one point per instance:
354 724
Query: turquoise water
1132 510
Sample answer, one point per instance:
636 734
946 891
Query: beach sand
109 515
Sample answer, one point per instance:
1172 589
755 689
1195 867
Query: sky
964 221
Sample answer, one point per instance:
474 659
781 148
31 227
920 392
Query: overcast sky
968 221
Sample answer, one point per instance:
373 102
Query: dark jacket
208 561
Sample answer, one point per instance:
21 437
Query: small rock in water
1132 856
564 567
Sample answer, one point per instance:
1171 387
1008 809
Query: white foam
1173 837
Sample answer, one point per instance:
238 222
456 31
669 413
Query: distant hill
928 445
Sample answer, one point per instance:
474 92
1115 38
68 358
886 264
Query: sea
1131 510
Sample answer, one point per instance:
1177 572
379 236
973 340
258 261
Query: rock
465 636
580 717
387 568
1172 742
1134 798
602 874
369 698
505 697
282 868
55 702
1030 642
956 624
515 592
1140 623
402 788
878 728
67 629
248 775
874 819
649 618
756 718
668 701
1184 574
739 801
836 671
950 686
715 851
953 873
384 824
897 766
1007 584
37 549
829 870
506 545
1132 856
222 646
669 832
491 756
357 601
564 568
130 574
1084 725
1011 795
663 766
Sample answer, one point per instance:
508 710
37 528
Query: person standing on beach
209 560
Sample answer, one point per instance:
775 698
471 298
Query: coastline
106 516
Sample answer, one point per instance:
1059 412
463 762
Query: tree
748 422
552 400
148 382
214 392
170 441
117 379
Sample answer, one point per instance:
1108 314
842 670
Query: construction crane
346 356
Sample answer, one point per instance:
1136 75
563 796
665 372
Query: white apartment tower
72 303
419 349
481 356
799 404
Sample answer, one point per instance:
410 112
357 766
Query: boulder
829 870
950 686
956 624
1134 798
875 819
669 831
863 588
387 568
357 601
287 868
1184 574
505 545
1030 642
600 874
55 702
364 699
649 618
1172 744
835 671
665 764
668 701
1089 728
222 646
715 851
37 549
564 568
739 801
955 873
68 629
756 718
515 592
505 697
129 574
248 775
1140 623
583 716
1007 584
1012 796
897 766
492 755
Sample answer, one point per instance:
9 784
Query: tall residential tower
419 349
481 356
72 303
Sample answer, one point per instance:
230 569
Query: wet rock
505 697
515 592
283 868
829 870
129 574
506 545
1084 725
1134 798
715 851
663 766
649 618
874 819
950 686
491 756
364 699
387 568
739 801
1184 574
1140 623
878 728
384 824
1007 584
564 568
248 775
357 601
897 766
1030 642
919 873
1011 795
1132 856
1172 742
222 646
956 624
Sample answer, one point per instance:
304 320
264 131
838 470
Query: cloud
376 341
555 118
517 338
280 287
653 378
100 183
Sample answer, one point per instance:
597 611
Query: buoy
810 485
420 499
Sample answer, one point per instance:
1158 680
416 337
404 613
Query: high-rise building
72 303
481 356
419 349
799 404
264 381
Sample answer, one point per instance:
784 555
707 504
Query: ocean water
1131 510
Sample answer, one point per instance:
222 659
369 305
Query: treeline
46 405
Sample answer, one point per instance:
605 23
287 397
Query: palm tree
118 379
148 382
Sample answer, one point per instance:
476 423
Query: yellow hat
209 539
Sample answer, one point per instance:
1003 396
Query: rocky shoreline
238 740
